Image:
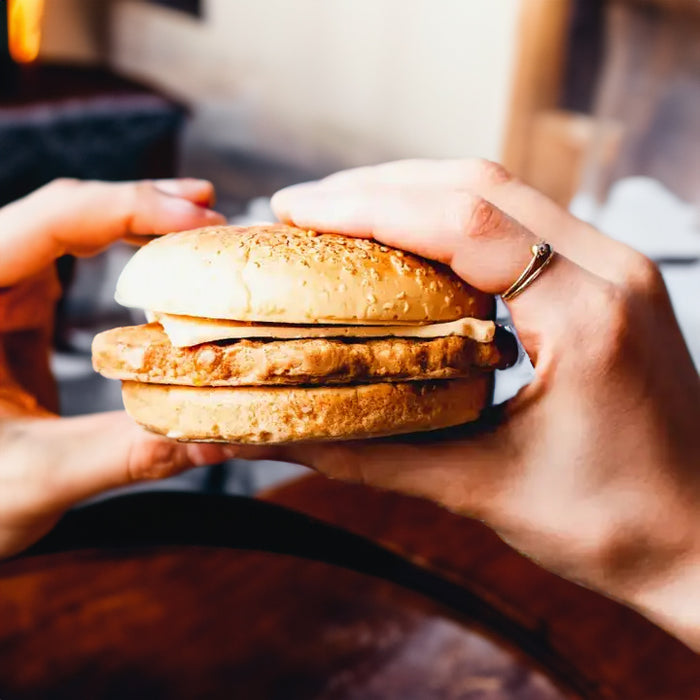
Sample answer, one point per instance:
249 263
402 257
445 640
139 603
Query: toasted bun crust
273 415
282 274
144 354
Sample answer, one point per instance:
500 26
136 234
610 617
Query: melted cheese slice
185 331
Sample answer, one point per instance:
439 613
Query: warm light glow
24 28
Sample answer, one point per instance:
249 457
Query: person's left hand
47 463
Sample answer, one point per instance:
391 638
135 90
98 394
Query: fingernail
184 208
213 217
178 205
291 197
178 186
294 190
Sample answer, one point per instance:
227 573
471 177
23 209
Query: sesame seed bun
282 274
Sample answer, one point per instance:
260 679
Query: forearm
656 568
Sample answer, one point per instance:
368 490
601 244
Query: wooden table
321 590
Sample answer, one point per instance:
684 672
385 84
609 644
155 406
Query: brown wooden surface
616 649
250 616
213 624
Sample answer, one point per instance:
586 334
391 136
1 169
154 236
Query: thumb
83 456
461 468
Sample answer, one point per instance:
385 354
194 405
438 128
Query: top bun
281 274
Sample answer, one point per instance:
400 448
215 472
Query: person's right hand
595 472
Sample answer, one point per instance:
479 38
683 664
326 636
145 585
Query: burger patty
144 354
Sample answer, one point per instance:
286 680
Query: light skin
594 471
48 463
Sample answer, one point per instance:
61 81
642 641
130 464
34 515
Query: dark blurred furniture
192 7
375 596
605 88
650 89
80 122
83 122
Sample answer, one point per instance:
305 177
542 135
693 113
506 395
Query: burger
274 334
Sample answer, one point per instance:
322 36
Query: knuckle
621 310
642 276
478 217
155 459
63 184
135 198
141 189
611 339
492 173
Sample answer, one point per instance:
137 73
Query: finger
83 218
574 238
461 475
87 455
200 192
483 245
138 240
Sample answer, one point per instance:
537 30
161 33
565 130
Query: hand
595 470
47 463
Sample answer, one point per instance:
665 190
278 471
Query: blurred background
595 102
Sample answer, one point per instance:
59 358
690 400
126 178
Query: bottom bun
270 415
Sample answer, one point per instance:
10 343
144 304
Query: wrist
656 570
673 601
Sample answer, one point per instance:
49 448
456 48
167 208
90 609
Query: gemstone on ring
542 253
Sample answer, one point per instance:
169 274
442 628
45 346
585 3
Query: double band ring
542 253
